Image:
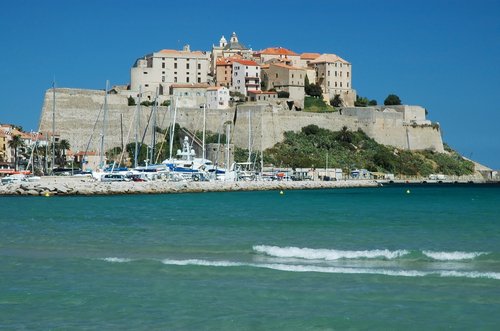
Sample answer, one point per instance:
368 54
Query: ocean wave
336 270
202 263
116 259
452 256
327 254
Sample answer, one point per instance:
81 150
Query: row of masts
137 144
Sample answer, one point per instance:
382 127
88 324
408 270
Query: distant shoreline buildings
242 71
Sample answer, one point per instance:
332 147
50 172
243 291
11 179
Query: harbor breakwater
64 186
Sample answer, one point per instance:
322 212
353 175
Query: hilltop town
253 96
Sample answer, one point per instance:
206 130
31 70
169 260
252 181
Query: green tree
337 101
392 100
16 142
372 102
314 90
131 101
165 103
62 147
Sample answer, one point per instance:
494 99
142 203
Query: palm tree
15 143
345 135
64 145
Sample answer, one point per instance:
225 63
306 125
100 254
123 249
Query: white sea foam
116 259
452 256
336 270
202 263
326 254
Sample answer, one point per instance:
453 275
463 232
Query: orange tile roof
246 62
309 56
277 51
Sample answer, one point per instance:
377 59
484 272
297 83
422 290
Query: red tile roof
309 56
277 51
246 62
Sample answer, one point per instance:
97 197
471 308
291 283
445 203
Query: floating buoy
407 191
281 192
47 194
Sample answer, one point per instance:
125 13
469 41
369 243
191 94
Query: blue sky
443 55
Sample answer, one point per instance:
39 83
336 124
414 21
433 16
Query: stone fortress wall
76 119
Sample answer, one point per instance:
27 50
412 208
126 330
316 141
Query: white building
246 76
188 95
217 97
166 67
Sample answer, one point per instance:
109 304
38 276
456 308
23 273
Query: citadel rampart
77 120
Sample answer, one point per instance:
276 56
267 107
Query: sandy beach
60 185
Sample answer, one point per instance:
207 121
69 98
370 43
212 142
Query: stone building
286 78
166 67
278 54
188 95
334 76
233 48
217 97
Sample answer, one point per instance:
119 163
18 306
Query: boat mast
153 131
53 126
103 133
204 128
249 135
261 143
172 128
228 131
136 124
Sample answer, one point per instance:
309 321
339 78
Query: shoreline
71 186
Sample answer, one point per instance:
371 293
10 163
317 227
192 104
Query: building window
340 84
328 83
163 72
187 65
199 66
292 75
347 84
187 79
163 79
341 74
145 73
146 85
276 75
175 65
163 59
163 65
335 84
199 79
335 73
348 74
328 72
175 79
175 59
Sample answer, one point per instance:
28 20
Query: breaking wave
327 254
337 270
116 259
452 256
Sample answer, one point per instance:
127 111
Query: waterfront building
233 48
246 76
282 77
333 74
217 97
224 70
161 69
278 54
257 96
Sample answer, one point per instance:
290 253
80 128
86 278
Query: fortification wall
77 120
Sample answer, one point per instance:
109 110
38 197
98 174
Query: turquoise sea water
377 258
